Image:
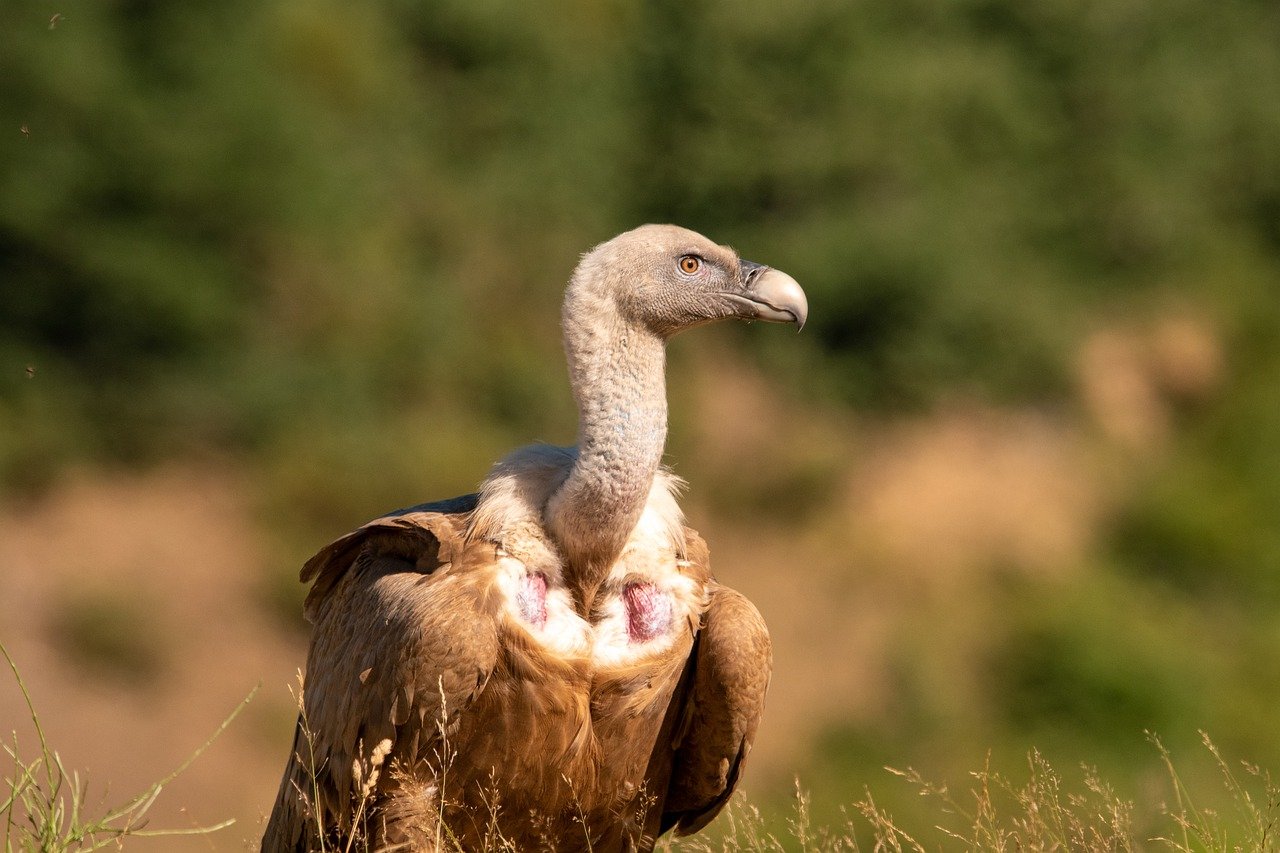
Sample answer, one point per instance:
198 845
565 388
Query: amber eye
690 264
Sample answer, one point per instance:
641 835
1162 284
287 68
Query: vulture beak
771 295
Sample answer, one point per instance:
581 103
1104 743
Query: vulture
547 664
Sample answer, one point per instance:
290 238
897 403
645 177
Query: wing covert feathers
412 534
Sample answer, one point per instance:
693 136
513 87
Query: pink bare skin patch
531 599
649 611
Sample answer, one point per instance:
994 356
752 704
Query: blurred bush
215 219
110 636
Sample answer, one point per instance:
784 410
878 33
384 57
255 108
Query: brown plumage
549 661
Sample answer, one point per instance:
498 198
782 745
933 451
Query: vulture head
664 279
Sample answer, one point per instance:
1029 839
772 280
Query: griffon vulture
550 659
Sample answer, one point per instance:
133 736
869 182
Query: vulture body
549 661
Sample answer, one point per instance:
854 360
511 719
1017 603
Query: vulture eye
690 264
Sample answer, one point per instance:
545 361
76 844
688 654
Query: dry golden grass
1040 814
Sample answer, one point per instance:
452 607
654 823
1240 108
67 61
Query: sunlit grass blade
44 806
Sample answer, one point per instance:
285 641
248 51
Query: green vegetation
325 241
45 807
220 223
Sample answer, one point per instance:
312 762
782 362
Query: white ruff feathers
644 599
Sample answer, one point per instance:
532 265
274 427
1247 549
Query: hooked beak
769 295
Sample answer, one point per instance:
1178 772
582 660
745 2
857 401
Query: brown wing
402 634
727 680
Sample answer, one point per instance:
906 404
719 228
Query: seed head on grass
1257 827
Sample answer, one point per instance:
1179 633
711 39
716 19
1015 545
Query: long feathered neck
618 376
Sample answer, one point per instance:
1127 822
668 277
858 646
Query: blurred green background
1032 495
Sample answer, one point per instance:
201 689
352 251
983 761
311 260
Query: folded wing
730 668
403 641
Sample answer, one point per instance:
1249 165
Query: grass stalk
44 804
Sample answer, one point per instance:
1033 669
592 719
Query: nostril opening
751 272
